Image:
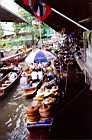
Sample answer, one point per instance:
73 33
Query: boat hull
4 91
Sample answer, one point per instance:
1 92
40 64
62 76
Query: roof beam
77 24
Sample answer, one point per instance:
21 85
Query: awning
75 10
8 16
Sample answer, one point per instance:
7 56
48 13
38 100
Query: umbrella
39 56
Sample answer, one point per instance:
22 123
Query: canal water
12 111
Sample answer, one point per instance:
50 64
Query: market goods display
45 112
43 105
32 113
49 101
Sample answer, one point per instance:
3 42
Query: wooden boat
31 91
6 69
6 85
45 111
11 58
16 57
35 124
39 130
3 77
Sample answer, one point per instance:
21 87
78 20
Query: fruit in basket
49 101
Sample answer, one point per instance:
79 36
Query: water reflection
12 126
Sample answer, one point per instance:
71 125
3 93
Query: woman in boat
50 71
34 75
23 80
29 82
40 72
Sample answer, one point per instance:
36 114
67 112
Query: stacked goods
43 105
54 92
45 93
32 112
49 101
46 108
45 112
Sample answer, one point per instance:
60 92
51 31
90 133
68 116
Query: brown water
12 123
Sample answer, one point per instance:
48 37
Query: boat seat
7 82
1 88
4 85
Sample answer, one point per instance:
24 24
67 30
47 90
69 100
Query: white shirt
23 81
34 75
40 75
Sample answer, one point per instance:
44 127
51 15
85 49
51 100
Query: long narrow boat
39 130
3 77
4 71
16 57
30 92
6 85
